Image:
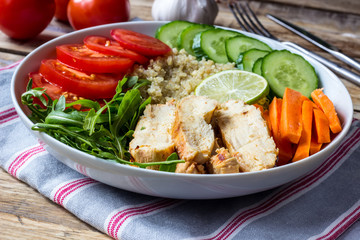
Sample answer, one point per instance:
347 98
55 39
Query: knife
316 41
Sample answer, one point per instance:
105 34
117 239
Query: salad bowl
177 185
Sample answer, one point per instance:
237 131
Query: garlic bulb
199 11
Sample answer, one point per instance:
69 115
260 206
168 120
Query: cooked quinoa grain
176 75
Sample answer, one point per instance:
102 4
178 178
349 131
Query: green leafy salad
103 130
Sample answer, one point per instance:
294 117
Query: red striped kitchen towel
325 204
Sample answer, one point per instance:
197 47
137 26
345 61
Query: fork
249 22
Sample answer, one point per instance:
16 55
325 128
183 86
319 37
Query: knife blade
316 41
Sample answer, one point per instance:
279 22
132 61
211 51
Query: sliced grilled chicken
152 137
246 136
193 134
223 163
189 167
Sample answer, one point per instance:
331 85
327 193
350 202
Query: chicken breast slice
223 163
189 167
152 140
193 134
245 134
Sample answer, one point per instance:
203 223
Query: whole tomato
88 13
61 10
24 19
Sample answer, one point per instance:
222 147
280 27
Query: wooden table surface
26 214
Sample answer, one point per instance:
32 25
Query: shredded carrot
291 126
321 126
303 148
326 105
285 149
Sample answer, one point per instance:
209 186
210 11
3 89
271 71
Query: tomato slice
52 90
140 43
86 85
80 57
107 46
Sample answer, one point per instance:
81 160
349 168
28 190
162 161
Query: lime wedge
234 84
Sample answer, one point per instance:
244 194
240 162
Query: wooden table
24 210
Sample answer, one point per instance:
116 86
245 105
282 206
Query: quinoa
176 75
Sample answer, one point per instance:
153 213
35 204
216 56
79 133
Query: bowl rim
117 167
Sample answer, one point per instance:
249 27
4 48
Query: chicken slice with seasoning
193 134
223 163
246 136
189 167
152 137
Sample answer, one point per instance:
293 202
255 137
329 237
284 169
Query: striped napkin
322 205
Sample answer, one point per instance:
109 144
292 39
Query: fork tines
247 18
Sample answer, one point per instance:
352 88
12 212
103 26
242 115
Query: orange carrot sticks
260 107
275 115
314 146
291 126
328 108
266 117
303 148
321 125
285 149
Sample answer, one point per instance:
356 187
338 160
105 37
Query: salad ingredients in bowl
160 117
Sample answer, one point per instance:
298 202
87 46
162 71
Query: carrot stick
260 107
328 108
321 126
303 98
314 146
291 126
303 148
266 117
275 115
285 149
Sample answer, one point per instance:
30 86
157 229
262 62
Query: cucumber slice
169 32
211 44
249 57
239 44
285 69
186 37
257 67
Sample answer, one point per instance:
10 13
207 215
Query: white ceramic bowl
171 185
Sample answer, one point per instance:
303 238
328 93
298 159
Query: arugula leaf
172 166
128 107
60 105
85 103
39 112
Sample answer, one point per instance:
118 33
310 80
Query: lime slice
234 84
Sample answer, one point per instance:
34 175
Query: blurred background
325 18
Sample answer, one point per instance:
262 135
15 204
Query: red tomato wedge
140 43
86 85
107 46
80 57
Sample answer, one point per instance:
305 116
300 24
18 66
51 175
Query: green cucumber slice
257 67
249 58
284 69
169 32
239 44
186 37
210 44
